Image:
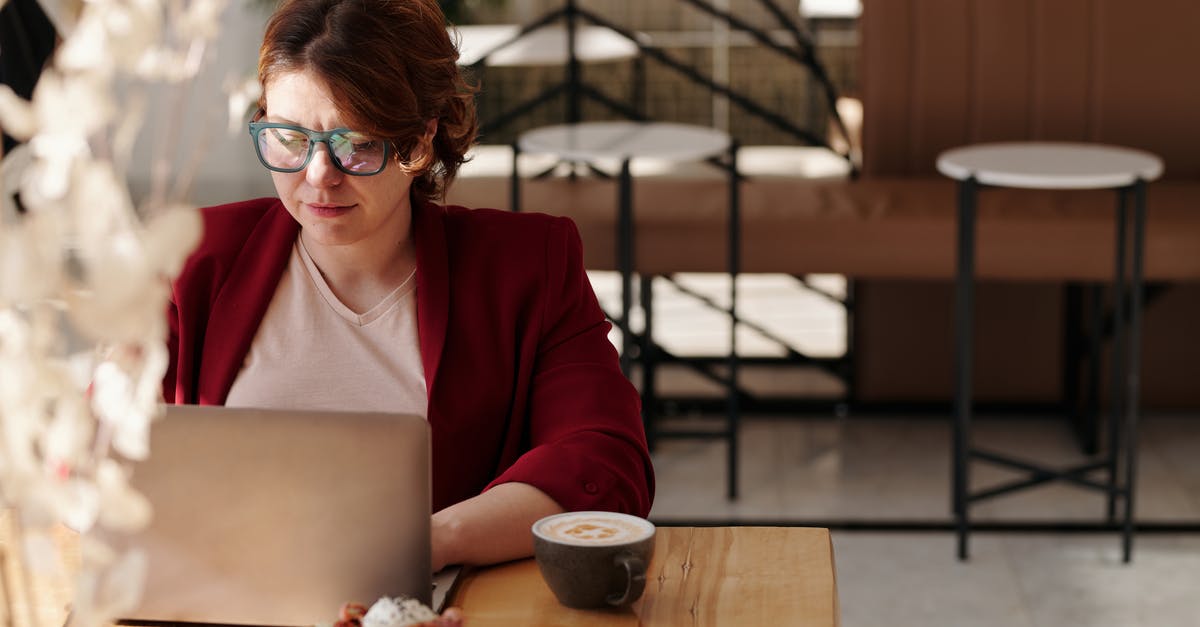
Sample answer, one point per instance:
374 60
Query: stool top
589 141
545 46
1050 165
830 9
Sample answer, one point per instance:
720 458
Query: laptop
268 517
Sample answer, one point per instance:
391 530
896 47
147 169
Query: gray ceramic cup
594 559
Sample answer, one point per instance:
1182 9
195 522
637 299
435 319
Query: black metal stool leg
735 253
964 339
1074 355
648 356
514 190
625 261
1133 375
1117 354
1095 297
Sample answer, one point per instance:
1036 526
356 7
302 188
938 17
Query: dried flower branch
84 282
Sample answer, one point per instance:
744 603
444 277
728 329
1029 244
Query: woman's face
332 207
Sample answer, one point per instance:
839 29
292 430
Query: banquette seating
936 74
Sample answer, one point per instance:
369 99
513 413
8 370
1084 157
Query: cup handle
635 579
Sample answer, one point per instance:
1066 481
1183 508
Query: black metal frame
575 88
647 351
1120 460
652 354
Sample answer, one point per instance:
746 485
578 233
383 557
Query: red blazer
523 383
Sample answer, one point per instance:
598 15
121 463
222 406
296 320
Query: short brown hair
392 67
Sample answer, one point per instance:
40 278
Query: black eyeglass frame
314 138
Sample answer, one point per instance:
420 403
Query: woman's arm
489 528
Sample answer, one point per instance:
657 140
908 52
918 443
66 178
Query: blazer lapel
433 286
242 302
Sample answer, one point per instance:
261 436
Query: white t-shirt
313 352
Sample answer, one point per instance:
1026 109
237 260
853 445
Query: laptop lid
267 517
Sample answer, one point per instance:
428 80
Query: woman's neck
364 273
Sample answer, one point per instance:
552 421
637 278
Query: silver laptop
279 517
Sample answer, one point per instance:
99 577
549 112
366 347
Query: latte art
594 529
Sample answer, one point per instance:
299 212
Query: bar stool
1054 166
594 143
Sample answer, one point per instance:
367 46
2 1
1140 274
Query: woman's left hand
452 617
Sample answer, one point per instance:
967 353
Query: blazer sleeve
587 443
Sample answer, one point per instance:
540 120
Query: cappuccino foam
593 528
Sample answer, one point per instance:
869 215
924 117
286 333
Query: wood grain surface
698 576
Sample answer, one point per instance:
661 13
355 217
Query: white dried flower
79 266
170 237
112 591
16 114
122 508
201 20
69 433
397 612
242 93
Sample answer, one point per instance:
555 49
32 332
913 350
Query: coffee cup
594 559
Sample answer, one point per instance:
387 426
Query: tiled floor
892 469
812 469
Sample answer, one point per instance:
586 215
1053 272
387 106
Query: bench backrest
943 73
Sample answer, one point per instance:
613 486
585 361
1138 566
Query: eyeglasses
289 148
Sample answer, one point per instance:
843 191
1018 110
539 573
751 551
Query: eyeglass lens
288 149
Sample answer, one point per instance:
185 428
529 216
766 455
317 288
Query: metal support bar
734 260
807 43
625 260
1075 351
790 351
1035 480
829 296
514 183
574 86
649 358
1133 398
1042 474
964 302
573 80
524 108
615 106
771 117
805 55
1117 357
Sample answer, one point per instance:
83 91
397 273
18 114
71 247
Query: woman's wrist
445 529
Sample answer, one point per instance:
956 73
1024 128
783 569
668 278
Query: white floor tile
890 469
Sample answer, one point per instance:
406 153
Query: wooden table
698 576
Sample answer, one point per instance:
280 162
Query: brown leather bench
935 75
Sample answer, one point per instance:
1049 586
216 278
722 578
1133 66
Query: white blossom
16 114
122 508
84 284
242 93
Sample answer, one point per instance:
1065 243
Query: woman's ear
422 155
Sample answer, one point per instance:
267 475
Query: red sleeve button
591 487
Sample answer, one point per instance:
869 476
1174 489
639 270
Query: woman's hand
352 614
452 617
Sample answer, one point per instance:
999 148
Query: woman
353 290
